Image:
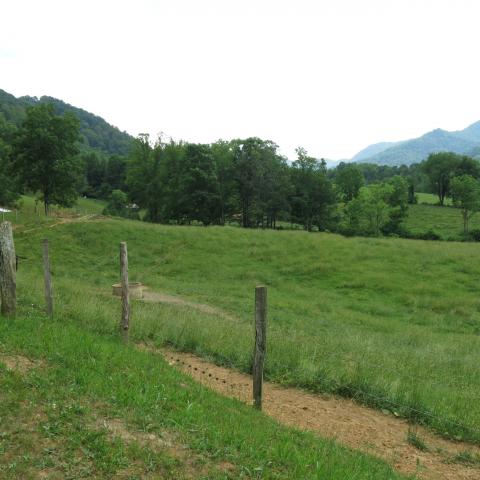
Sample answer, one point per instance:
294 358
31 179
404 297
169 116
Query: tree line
245 181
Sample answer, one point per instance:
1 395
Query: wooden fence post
260 344
125 320
47 275
8 282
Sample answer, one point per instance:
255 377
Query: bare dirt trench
351 424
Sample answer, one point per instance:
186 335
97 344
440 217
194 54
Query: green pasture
392 323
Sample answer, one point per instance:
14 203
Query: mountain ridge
96 132
415 150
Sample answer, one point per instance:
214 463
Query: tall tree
313 196
251 162
44 153
349 179
198 196
466 196
144 176
370 211
223 154
9 187
440 168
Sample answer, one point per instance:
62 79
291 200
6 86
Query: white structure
3 211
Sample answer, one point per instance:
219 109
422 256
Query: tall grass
393 323
51 418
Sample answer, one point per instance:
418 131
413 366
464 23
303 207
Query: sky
332 76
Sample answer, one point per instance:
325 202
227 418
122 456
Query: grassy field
393 323
89 407
446 221
431 199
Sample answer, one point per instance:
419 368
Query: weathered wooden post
260 343
125 320
47 275
8 281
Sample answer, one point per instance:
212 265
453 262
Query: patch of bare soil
192 465
19 363
350 424
156 297
72 219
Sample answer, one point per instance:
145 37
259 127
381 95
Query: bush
118 206
428 235
474 235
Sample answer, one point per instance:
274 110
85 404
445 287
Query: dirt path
63 221
349 423
156 297
353 425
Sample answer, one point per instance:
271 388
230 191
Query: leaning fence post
8 282
260 343
125 320
47 275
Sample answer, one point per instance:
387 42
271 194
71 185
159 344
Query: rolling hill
96 132
466 141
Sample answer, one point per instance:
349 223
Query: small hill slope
96 132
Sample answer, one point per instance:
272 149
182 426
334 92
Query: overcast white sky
332 76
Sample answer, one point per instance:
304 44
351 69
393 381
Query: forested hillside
96 133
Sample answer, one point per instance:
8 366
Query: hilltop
407 152
96 132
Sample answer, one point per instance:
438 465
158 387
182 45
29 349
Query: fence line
260 337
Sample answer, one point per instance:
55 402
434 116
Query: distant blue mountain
372 150
465 141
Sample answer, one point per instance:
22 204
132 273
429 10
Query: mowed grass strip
50 418
394 323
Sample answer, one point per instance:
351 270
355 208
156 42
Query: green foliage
314 197
103 174
57 419
95 132
416 441
151 177
441 167
465 192
394 323
370 211
467 457
261 180
398 201
118 206
44 153
9 188
349 179
378 208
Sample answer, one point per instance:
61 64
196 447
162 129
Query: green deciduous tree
349 179
198 195
44 153
466 196
369 212
398 201
441 167
144 176
313 196
117 204
378 208
9 187
257 171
